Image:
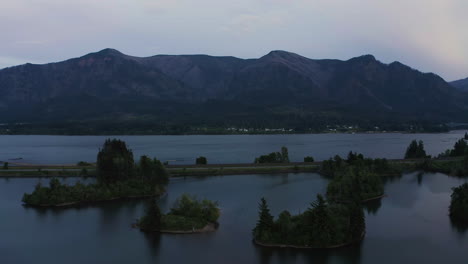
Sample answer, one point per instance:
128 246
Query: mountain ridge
225 90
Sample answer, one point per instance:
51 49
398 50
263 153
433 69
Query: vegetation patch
323 225
117 177
188 215
459 204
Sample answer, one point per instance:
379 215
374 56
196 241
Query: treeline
117 177
274 157
187 214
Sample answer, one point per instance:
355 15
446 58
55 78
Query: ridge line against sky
428 35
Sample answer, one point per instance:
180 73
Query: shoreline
286 246
210 227
76 203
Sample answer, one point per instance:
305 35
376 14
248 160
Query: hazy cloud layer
429 35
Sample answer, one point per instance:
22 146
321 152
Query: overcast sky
430 35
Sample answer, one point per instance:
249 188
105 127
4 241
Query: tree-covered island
117 177
324 224
188 215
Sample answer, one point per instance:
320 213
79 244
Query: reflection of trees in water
419 177
109 212
372 206
153 242
350 254
459 226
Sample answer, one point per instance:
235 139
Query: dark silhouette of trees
459 149
187 214
151 222
201 161
415 150
323 225
264 228
284 155
309 159
5 166
274 157
459 204
114 162
152 170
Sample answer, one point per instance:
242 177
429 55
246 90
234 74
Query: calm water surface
409 226
220 149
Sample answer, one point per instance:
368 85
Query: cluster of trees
337 165
322 225
459 149
5 165
117 177
201 161
309 159
61 194
187 214
416 150
355 183
274 157
459 204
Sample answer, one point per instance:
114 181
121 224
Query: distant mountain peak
109 51
280 54
364 58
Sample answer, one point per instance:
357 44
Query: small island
324 225
459 204
188 215
117 178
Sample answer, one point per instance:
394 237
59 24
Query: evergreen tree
114 162
263 230
357 221
152 219
308 159
459 149
415 150
466 136
5 166
284 155
321 228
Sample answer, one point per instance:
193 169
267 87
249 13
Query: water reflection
459 226
372 206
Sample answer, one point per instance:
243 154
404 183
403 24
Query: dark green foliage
274 157
466 136
460 148
58 193
355 184
114 162
151 222
308 159
152 170
201 161
264 228
322 225
83 163
415 150
5 166
187 214
459 203
284 155
331 166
